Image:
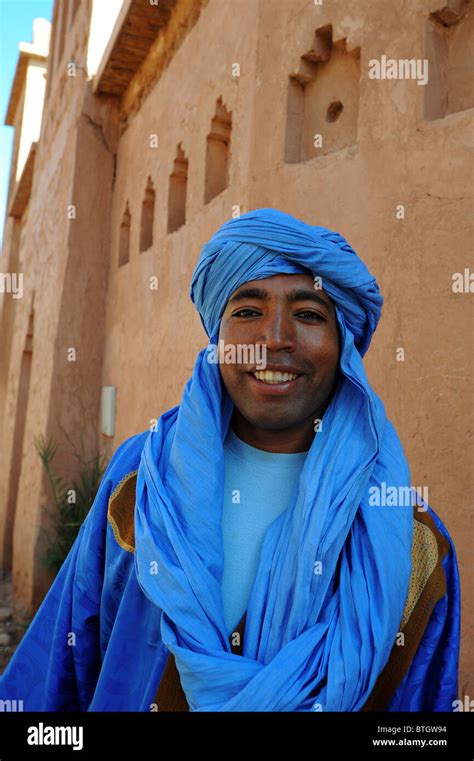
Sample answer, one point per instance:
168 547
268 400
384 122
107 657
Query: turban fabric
313 640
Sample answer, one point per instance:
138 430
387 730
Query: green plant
71 502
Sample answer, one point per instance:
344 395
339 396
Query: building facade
140 126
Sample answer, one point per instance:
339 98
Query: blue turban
312 641
268 242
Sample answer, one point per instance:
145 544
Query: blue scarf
313 641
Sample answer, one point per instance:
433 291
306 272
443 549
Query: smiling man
233 559
275 415
298 327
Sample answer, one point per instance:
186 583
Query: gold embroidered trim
418 616
121 511
424 556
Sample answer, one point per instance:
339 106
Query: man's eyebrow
250 293
298 294
304 294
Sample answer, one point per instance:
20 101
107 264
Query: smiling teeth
268 376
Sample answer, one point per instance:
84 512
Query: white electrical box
108 410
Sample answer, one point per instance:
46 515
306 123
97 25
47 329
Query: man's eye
308 315
241 311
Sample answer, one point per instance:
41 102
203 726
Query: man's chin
269 422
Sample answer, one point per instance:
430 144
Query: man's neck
291 440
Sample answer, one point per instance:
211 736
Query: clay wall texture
235 94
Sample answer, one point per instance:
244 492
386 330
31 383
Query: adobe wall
394 144
390 155
64 259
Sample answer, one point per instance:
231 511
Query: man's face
298 325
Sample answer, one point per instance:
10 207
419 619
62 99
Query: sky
16 25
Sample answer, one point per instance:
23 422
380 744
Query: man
244 555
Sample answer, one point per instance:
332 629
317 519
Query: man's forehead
294 286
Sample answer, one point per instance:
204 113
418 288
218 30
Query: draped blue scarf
313 641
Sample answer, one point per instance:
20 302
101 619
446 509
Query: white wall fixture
108 410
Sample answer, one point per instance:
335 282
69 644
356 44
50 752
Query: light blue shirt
257 488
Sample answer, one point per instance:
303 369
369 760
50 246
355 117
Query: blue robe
95 642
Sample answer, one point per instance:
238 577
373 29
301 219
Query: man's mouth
271 383
274 377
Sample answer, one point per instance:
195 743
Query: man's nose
278 331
